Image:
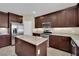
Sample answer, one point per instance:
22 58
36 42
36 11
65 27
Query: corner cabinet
60 42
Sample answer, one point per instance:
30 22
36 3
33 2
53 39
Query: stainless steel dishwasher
73 48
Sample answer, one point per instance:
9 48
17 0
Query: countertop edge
36 44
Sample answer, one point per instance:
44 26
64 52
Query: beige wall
29 24
29 18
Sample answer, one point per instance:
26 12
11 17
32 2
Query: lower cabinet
60 42
5 40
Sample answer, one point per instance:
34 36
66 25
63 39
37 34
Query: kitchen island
30 45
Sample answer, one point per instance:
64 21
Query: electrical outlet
38 52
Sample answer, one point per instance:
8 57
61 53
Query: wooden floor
10 51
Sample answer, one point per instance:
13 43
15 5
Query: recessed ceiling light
34 12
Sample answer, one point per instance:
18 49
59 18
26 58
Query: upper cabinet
67 18
15 18
62 18
6 18
39 21
3 19
71 17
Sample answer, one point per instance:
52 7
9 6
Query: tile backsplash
3 31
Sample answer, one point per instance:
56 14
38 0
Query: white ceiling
35 9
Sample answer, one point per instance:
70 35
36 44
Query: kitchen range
46 26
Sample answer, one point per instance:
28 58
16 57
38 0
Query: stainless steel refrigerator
16 29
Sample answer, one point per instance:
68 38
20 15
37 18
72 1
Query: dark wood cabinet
62 18
71 17
6 18
39 21
24 48
3 19
60 42
15 18
5 40
67 18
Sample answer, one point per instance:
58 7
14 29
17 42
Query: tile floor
10 51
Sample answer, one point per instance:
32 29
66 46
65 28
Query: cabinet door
53 18
39 21
5 40
12 17
3 19
53 41
15 18
60 42
65 44
71 17
19 19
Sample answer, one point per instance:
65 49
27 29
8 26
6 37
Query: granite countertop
32 39
75 38
72 32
